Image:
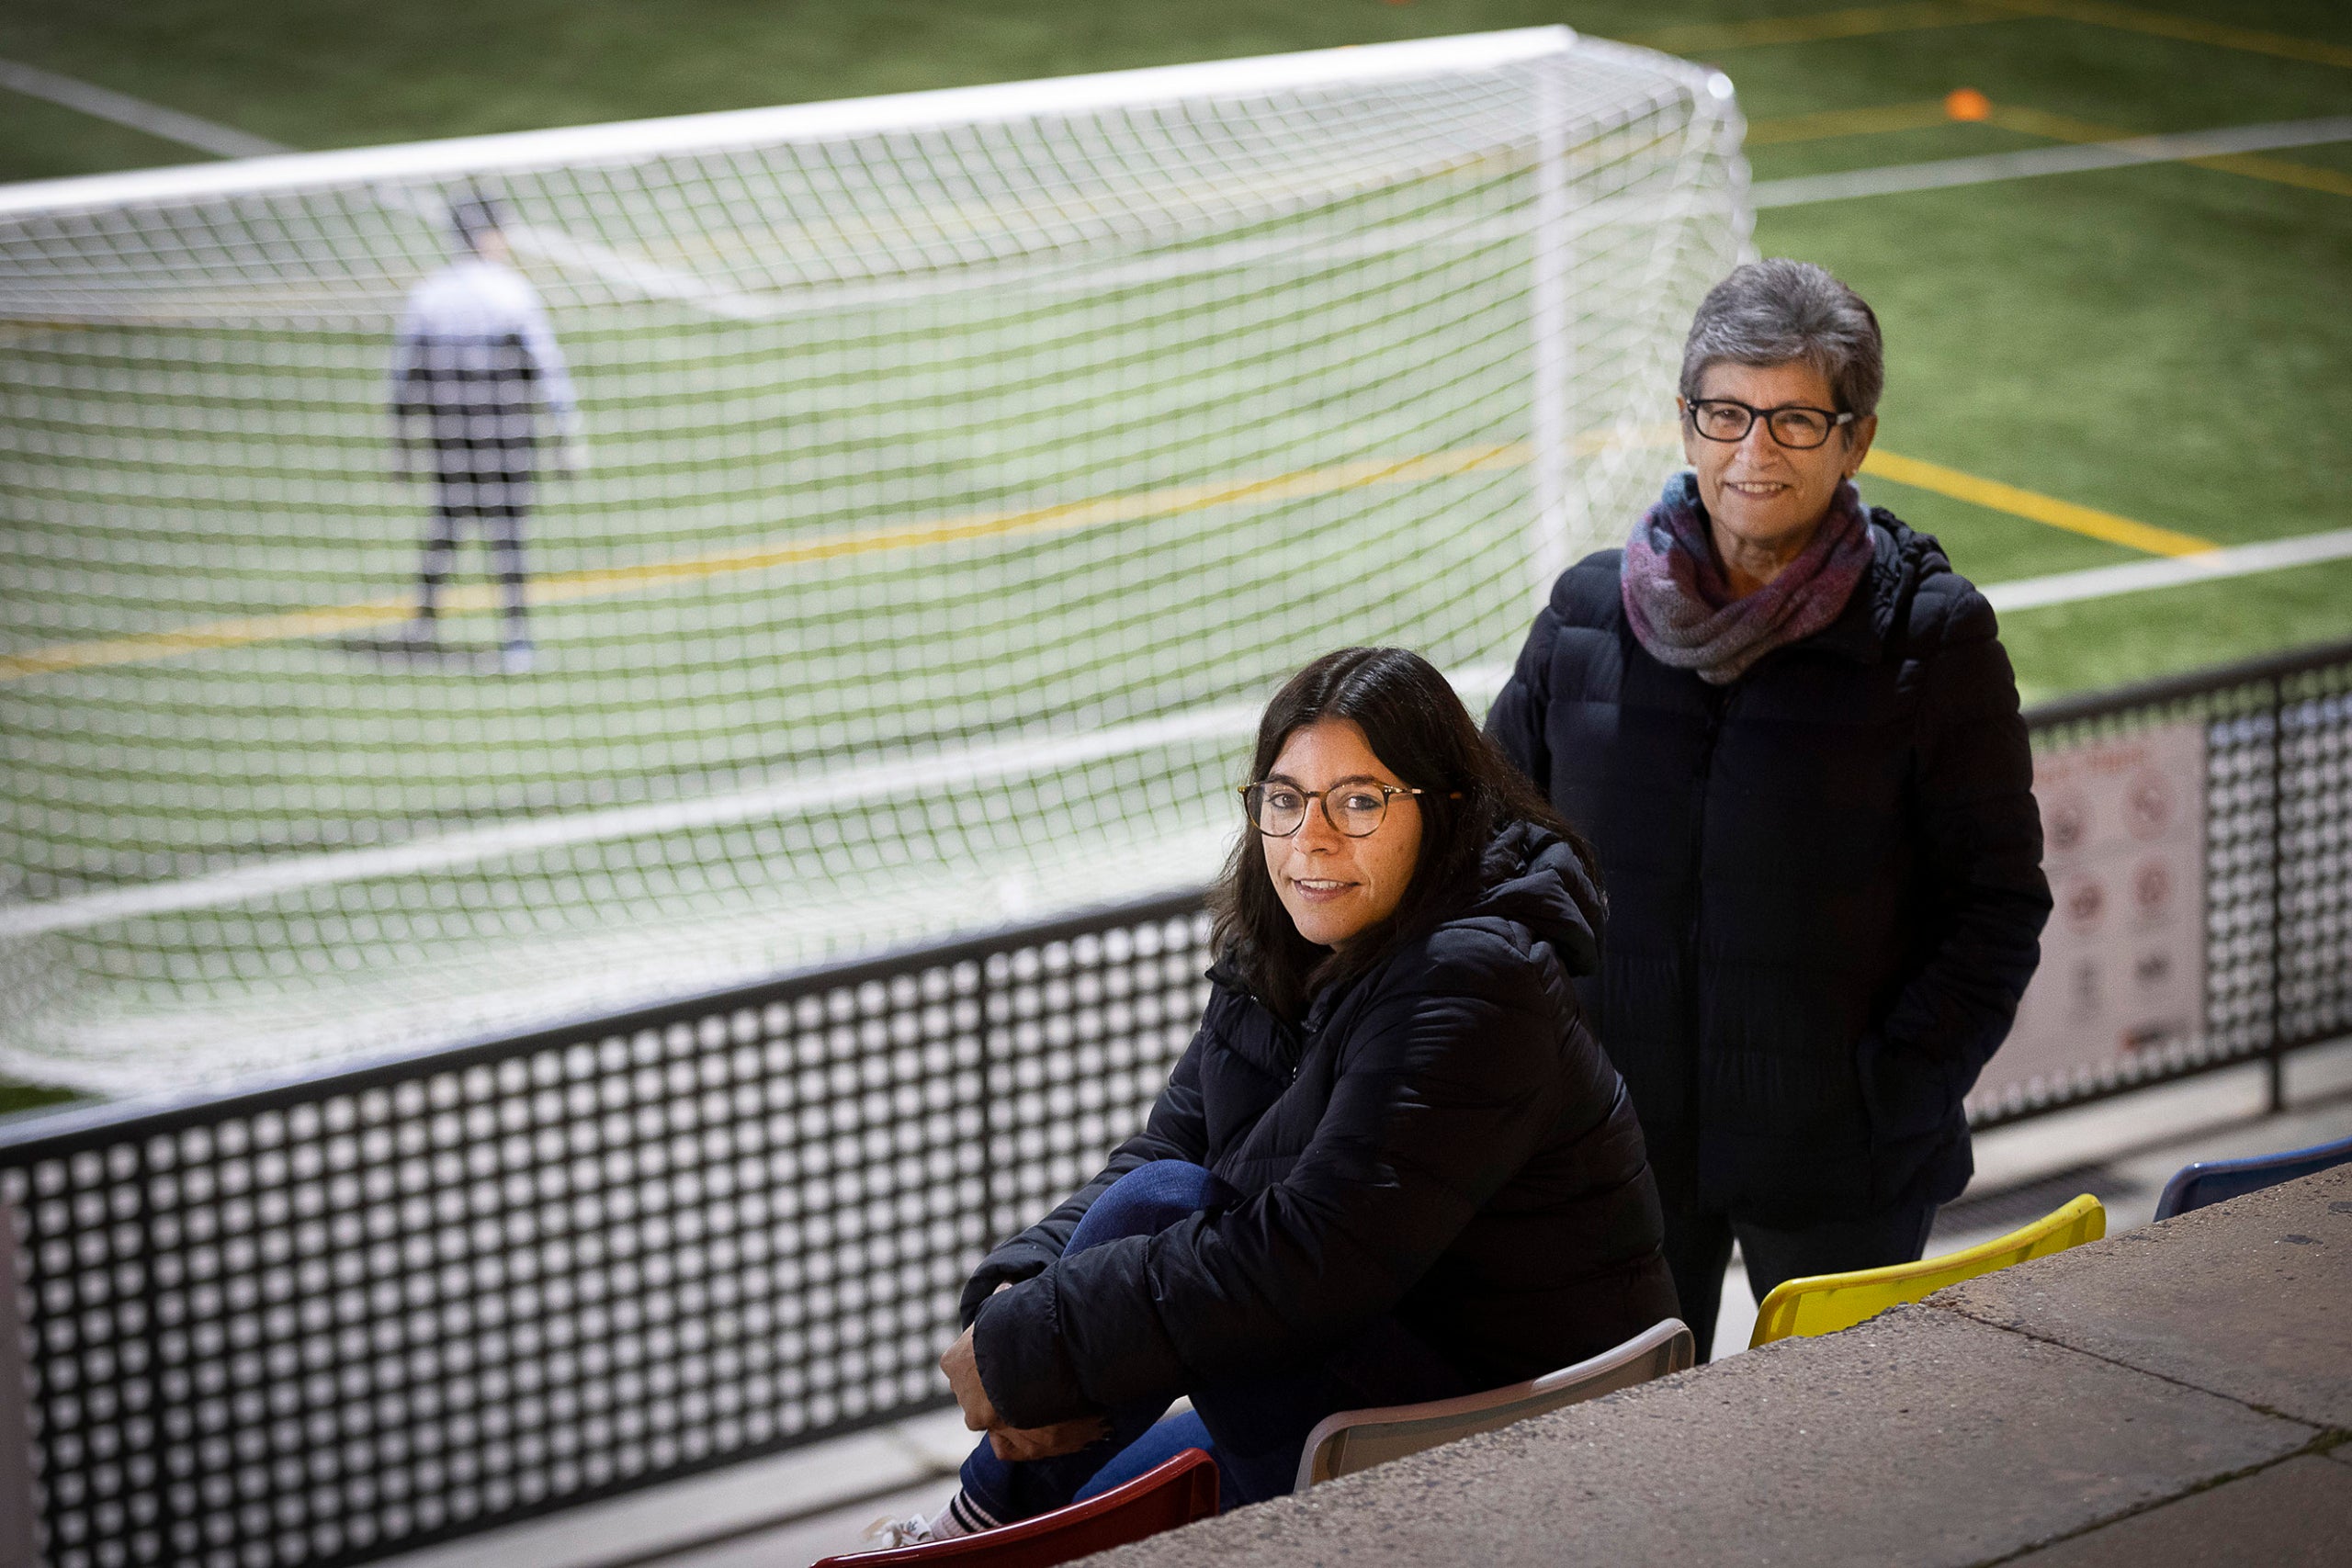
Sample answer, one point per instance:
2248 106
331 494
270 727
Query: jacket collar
1897 562
1526 876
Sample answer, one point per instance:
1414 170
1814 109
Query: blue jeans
1253 1428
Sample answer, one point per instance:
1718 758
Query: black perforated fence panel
338 1319
2277 859
2314 999
335 1320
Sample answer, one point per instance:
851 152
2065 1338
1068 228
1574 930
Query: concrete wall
2172 1394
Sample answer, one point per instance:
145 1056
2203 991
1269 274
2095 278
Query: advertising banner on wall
2123 957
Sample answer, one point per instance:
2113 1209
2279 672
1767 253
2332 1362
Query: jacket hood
1901 560
1531 875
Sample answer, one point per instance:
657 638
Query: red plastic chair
1177 1492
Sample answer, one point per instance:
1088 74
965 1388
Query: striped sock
961 1516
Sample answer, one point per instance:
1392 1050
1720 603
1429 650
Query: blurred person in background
1792 733
473 366
1392 1164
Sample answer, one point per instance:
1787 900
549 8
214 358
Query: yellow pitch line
234 633
2128 19
2052 126
1830 123
2277 171
1869 20
2249 165
2034 507
566 587
1090 513
1095 512
1859 22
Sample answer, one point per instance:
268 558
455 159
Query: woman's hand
962 1365
1017 1443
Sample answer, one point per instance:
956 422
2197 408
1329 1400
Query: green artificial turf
346 73
2166 344
16 1098
2160 342
2109 642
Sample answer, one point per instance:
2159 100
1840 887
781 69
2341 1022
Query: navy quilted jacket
1441 1139
1825 881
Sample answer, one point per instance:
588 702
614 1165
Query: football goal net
960 472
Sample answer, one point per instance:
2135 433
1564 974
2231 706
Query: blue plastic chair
2215 1180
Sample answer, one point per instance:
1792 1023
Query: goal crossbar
628 141
959 472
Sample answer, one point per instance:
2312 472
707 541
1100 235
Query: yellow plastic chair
1824 1304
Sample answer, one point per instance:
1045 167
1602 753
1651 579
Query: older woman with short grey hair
1791 733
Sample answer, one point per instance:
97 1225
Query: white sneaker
886 1532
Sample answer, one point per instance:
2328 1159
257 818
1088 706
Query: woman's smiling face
1334 886
1769 498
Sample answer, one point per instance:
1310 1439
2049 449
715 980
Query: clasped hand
962 1365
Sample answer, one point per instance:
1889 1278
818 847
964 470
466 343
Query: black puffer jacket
1824 879
1442 1138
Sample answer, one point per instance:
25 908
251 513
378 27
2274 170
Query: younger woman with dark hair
1393 1166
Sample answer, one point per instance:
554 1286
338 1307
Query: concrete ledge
2296 1515
2172 1394
2251 1298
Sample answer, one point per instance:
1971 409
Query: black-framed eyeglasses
1793 426
1356 808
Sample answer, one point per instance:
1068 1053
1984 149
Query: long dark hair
1420 731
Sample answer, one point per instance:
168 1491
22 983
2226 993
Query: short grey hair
1779 311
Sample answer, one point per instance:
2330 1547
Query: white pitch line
2172 572
166 125
957 766
872 781
1945 173
649 278
964 766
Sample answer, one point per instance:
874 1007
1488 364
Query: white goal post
963 468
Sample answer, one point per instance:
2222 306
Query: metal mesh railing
2277 863
324 1321
328 1321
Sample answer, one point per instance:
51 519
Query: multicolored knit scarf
1679 602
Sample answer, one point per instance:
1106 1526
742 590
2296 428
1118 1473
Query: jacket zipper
1719 708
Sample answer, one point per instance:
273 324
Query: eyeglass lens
1355 809
1799 428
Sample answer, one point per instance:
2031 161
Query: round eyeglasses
1355 806
1793 426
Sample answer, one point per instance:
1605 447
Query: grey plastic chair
1351 1440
